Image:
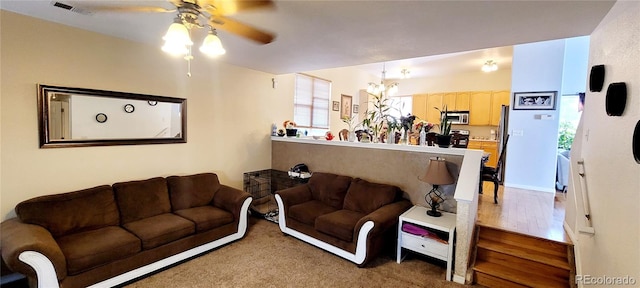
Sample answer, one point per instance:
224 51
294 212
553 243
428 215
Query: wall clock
129 108
101 117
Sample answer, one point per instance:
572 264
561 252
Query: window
311 102
400 106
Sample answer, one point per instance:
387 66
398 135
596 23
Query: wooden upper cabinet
462 101
434 100
449 100
480 108
498 98
419 106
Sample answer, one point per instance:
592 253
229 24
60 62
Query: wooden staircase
511 259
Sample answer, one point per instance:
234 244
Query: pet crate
262 186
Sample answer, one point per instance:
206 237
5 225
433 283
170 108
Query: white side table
417 215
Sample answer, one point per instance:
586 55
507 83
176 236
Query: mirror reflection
83 117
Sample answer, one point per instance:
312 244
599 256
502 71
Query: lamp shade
177 39
437 173
211 46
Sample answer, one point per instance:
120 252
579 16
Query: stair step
516 277
531 243
487 280
522 265
525 253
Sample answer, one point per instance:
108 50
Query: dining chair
492 174
431 138
343 135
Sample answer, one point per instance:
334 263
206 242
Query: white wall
230 111
574 73
612 181
532 148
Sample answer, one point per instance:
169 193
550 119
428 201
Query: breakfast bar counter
395 164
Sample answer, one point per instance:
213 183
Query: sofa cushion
206 217
329 188
339 224
160 229
71 212
307 212
142 199
364 196
193 190
89 249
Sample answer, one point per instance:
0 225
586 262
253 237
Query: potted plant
406 123
376 117
352 122
290 126
392 125
444 138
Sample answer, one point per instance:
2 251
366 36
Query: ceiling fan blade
229 7
118 9
241 29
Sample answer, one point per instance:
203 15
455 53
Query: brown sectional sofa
350 217
112 234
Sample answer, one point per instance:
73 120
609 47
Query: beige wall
228 124
611 173
473 81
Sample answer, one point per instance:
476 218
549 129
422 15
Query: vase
391 139
443 141
423 137
352 136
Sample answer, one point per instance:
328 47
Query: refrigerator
501 137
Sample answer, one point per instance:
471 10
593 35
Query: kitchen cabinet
490 147
419 106
480 108
434 100
462 101
456 101
498 98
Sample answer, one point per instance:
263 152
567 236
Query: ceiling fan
190 12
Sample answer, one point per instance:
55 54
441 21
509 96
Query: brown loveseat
117 233
349 217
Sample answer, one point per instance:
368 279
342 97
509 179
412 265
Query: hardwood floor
534 213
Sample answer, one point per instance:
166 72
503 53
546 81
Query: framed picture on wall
534 100
336 106
355 109
345 106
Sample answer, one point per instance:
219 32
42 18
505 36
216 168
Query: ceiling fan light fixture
489 66
212 46
177 40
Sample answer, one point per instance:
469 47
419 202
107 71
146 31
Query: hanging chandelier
489 66
178 40
376 89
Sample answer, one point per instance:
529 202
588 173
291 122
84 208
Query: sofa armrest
18 237
230 199
295 195
384 217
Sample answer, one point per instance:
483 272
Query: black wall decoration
596 78
636 142
616 98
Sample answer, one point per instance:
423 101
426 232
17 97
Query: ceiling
458 35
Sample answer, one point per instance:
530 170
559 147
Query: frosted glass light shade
212 46
177 39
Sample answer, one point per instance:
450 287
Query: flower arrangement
351 122
289 124
406 122
421 124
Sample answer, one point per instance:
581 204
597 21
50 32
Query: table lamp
437 174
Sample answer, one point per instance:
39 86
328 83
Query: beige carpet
267 258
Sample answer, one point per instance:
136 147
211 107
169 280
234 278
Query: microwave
458 117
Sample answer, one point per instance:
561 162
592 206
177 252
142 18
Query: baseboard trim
527 187
459 279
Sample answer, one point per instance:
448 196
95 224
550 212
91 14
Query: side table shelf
440 246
